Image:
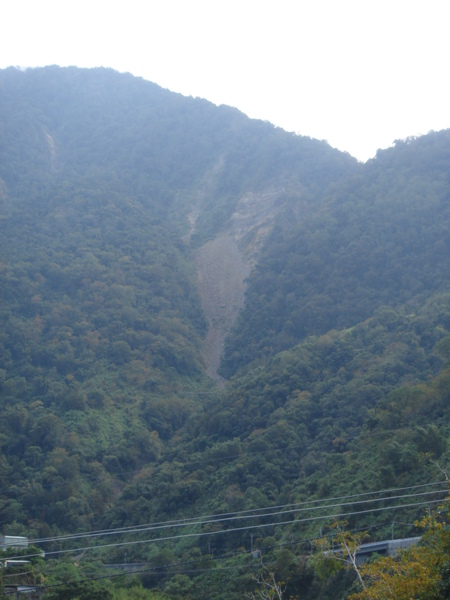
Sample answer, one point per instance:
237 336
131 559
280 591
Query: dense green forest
379 239
115 445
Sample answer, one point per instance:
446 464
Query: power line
261 548
238 529
271 514
157 568
250 513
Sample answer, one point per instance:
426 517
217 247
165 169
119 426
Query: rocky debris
225 263
221 273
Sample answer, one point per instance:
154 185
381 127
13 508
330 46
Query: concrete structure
386 547
13 541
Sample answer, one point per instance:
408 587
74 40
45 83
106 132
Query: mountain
203 314
380 238
199 168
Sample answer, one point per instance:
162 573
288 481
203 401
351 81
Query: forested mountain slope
187 164
102 321
380 238
142 233
156 145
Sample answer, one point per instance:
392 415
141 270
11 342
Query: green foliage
339 359
137 592
84 590
336 413
420 572
377 239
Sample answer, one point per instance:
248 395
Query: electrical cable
238 516
209 519
190 562
237 529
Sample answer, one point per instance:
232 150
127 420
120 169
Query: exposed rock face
221 273
51 148
224 264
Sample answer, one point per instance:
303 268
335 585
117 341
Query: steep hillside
312 433
380 238
201 170
205 315
112 191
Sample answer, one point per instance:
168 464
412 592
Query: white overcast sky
358 73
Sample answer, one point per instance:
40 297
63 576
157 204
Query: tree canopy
335 388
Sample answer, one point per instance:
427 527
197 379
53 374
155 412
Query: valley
222 345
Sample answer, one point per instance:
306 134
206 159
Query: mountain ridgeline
203 314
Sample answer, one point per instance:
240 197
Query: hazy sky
358 73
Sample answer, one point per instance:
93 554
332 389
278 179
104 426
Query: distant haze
358 74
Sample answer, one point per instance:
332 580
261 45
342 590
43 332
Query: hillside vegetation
131 217
378 239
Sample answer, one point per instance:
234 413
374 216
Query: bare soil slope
221 274
224 263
